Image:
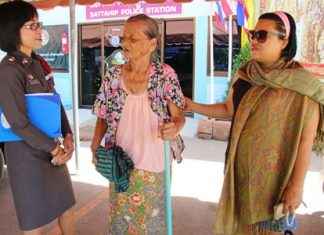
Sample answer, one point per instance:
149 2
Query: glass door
90 65
179 41
112 36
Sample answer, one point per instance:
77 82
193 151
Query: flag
245 17
220 17
242 14
226 8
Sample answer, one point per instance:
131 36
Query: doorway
89 65
178 45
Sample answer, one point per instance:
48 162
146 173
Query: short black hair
290 50
13 15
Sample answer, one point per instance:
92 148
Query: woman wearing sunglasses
274 105
39 179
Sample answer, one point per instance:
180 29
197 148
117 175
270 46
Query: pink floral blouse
163 86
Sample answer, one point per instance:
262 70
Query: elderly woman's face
266 44
135 43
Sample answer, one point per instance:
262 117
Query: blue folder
44 112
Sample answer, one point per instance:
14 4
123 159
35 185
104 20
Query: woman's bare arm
170 130
100 130
223 110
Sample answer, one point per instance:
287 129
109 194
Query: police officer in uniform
40 181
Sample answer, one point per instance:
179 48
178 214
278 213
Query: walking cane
168 189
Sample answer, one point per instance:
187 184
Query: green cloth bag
115 165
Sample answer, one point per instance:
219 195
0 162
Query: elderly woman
40 181
274 105
140 105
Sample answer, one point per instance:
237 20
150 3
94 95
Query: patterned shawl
292 76
250 115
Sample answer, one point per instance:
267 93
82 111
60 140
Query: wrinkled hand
188 105
168 131
292 198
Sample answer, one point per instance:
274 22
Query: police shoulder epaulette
12 59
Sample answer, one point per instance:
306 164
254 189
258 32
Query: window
221 46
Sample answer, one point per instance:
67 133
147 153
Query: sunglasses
33 26
262 35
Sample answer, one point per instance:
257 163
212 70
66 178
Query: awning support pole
73 51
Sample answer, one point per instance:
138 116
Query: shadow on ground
190 215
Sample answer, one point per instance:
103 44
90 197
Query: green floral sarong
141 209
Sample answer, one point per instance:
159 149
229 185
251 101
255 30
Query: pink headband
285 20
